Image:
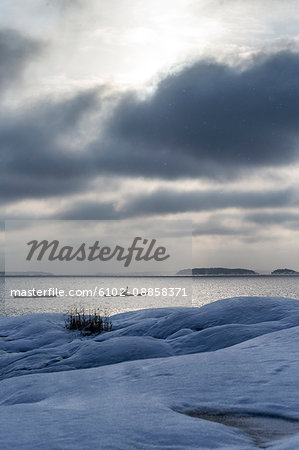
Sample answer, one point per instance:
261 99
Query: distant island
284 272
216 271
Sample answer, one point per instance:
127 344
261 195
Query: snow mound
40 343
177 368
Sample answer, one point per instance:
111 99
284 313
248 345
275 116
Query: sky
149 110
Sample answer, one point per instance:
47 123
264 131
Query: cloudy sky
150 109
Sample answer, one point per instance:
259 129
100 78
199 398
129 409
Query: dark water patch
262 428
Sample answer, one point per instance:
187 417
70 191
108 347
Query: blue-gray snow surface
225 376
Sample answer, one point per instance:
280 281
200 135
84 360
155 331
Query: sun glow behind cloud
123 43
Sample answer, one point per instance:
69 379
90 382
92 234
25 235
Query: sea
106 294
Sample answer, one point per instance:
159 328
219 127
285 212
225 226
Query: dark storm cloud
208 119
173 202
22 187
16 50
35 161
162 202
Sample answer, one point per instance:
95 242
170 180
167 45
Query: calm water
178 291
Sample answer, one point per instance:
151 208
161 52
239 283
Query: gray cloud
162 202
16 50
208 119
35 159
289 220
89 211
219 229
173 202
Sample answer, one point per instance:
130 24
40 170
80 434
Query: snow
221 376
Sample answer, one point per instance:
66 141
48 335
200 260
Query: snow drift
221 376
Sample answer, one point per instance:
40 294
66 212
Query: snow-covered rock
221 376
